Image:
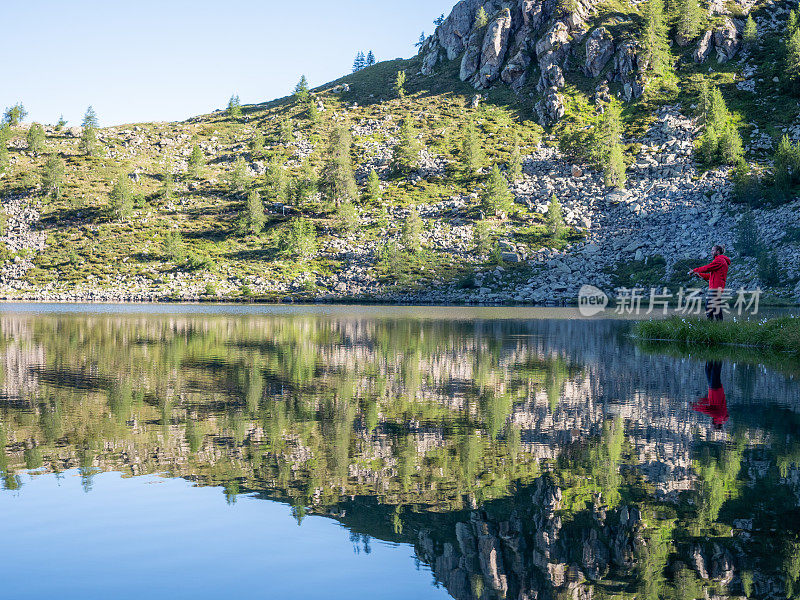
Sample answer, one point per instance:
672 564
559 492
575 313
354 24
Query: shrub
555 219
412 230
35 138
347 216
300 239
121 198
496 196
174 248
53 177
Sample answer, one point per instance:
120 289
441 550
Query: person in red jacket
716 274
714 404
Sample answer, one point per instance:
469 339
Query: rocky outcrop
551 107
493 52
515 71
703 47
599 50
726 41
629 67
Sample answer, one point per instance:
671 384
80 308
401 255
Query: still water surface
345 452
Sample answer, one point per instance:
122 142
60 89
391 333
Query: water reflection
521 459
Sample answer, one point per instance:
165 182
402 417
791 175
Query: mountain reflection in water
521 459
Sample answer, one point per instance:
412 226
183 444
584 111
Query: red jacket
714 405
716 272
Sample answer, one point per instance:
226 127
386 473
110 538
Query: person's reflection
714 404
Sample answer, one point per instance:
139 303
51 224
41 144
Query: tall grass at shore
776 335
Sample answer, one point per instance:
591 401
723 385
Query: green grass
774 335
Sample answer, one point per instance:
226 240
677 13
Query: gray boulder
599 50
550 108
726 41
514 73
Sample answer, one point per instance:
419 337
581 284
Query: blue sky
148 60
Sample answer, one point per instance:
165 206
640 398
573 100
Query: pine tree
53 177
307 183
400 84
35 138
14 115
238 178
196 162
614 170
339 178
254 217
689 21
302 93
405 156
515 164
654 41
347 216
372 190
471 151
360 62
88 144
792 61
285 132
234 107
167 179
421 41
121 198
750 34
555 219
412 230
481 19
371 59
61 124
496 196
312 112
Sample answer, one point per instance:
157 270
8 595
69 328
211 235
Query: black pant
714 306
714 374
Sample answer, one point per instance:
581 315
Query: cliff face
535 38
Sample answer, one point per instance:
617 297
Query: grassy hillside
190 242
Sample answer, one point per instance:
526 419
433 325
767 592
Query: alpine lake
339 452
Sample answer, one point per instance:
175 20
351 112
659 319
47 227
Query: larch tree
196 162
35 138
88 143
234 107
405 156
400 84
689 22
53 177
750 34
654 41
481 18
496 197
339 177
302 94
471 151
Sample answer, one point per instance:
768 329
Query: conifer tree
412 230
88 143
405 156
196 162
277 183
121 198
614 170
302 93
654 42
53 177
608 150
360 62
307 183
439 20
792 61
339 178
750 34
14 115
555 219
234 107
300 239
689 21
347 216
254 217
481 18
5 135
421 41
312 112
167 179
35 138
61 124
285 131
400 84
515 163
372 190
238 178
496 196
371 58
256 144
471 151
